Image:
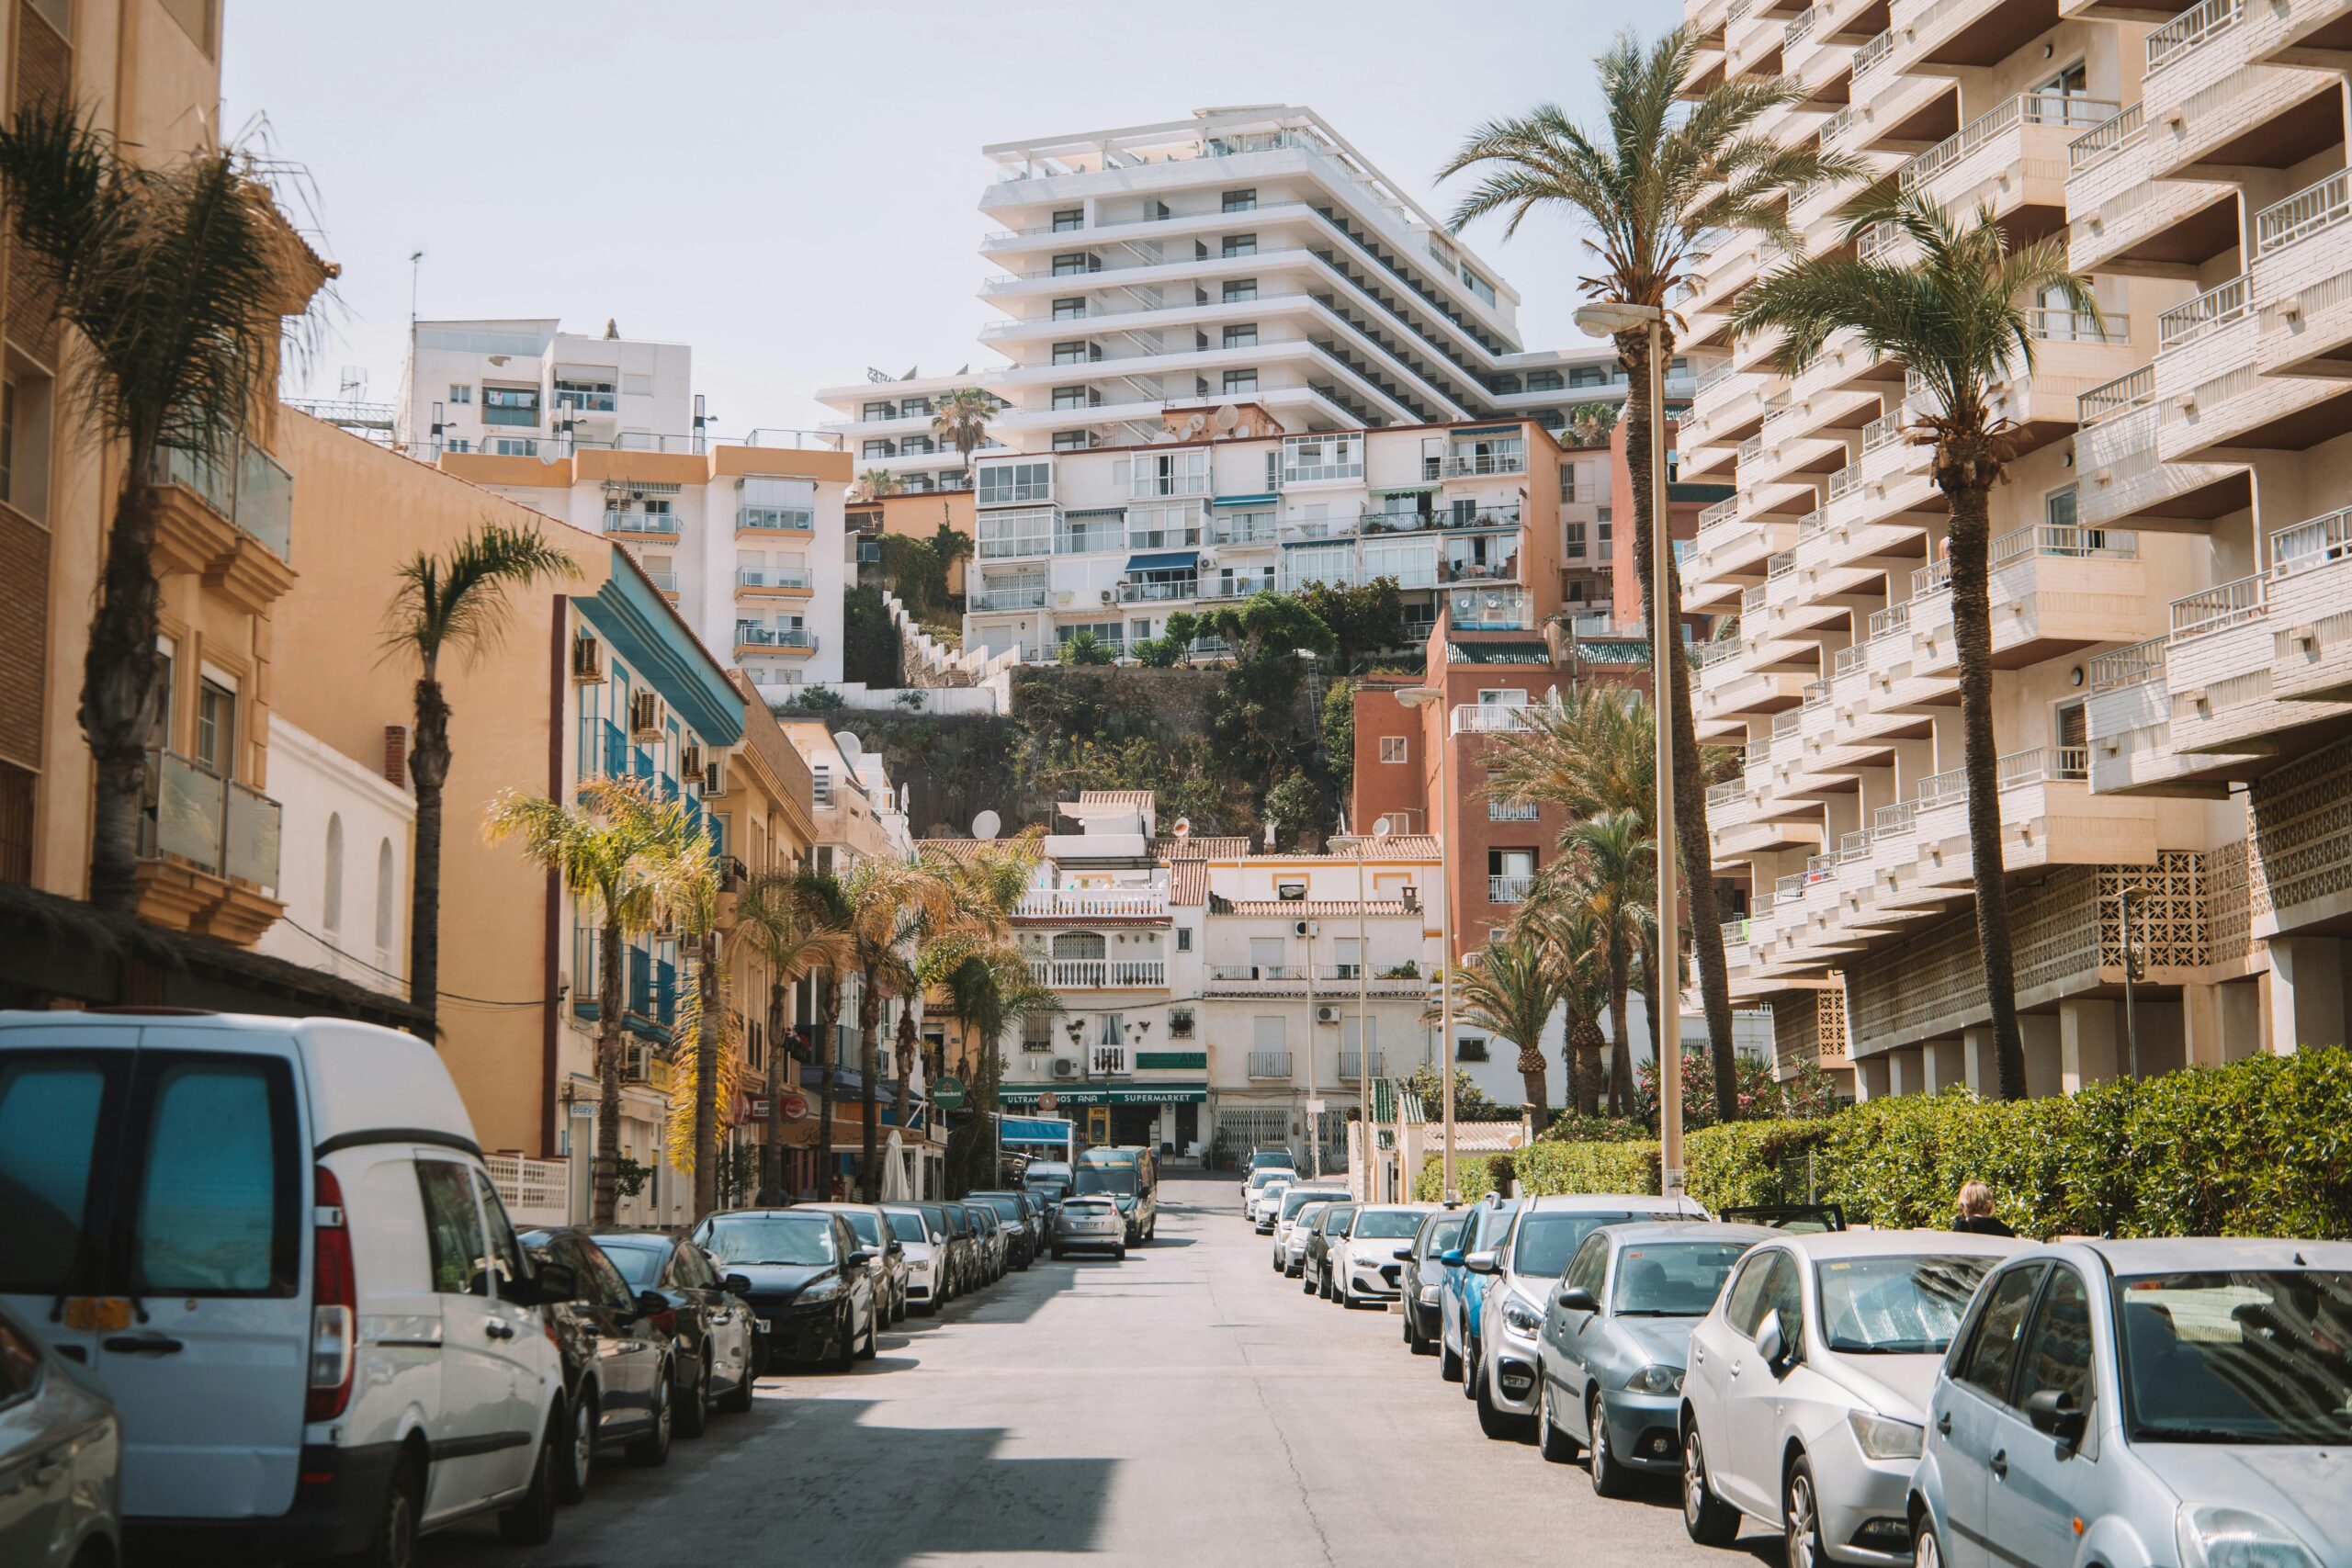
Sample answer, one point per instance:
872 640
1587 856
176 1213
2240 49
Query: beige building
2168 558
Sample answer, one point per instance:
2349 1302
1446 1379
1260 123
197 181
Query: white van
274 1243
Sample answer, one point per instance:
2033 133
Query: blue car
1463 1300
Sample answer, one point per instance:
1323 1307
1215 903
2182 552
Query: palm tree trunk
1972 629
1572 1060
829 1024
1689 794
905 1056
428 766
771 1188
869 1026
1537 1084
119 698
609 958
707 1074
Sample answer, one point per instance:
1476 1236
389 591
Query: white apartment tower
520 388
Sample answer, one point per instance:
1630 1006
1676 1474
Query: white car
1363 1263
926 1253
1286 1258
1805 1401
275 1244
1258 1184
1301 1231
1267 1202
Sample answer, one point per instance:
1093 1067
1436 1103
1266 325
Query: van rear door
211 1239
62 1097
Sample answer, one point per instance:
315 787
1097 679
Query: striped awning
1166 560
1269 499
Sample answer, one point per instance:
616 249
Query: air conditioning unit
588 661
713 776
690 762
640 1067
1326 1015
1109 597
645 716
1302 928
1064 1067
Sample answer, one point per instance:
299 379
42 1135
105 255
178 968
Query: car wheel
844 1342
693 1410
1471 1370
1707 1519
737 1399
1927 1551
872 1341
1058 1254
1609 1477
652 1450
392 1543
531 1522
1801 1517
1121 1254
1448 1361
1550 1442
1492 1419
579 1449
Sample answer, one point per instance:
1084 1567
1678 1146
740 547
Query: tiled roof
1400 846
958 849
1188 881
1140 799
1198 847
1313 906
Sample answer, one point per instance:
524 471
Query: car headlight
1655 1379
1882 1437
1522 1317
821 1292
2211 1537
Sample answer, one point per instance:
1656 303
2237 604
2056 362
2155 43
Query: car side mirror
553 1282
737 1285
2058 1413
1404 1254
1451 1257
650 1303
1482 1263
1576 1298
860 1259
1769 1343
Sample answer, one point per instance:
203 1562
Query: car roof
1400 1208
1635 1233
1895 1244
2161 1255
1605 1203
842 1207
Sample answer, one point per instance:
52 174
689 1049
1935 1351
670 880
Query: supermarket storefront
1165 1116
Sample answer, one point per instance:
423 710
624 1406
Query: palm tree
1569 934
685 887
1647 187
608 849
452 605
991 992
177 280
961 418
1958 317
975 922
875 483
1509 990
1610 871
786 929
826 907
891 903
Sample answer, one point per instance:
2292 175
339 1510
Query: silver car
890 1270
1088 1224
1808 1393
60 1459
1286 1259
1614 1341
2133 1403
1520 1273
926 1253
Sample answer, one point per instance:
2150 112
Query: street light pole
1363 1024
1606 320
1416 697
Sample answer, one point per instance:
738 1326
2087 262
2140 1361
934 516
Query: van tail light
335 1302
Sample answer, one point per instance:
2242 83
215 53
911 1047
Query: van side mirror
2058 1413
1576 1298
737 1285
550 1284
1483 1262
1769 1342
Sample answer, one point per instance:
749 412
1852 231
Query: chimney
396 754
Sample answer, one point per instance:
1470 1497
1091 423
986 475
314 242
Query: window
1587 1270
510 405
1745 1306
881 448
1069 441
1572 544
216 727
2058 1351
1290 892
500 1250
1240 381
1600 529
1069 354
1070 397
1240 290
1478 285
1003 484
2058 507
1266 956
1783 1292
1241 201
460 393
1543 380
49 1113
1069 310
216 1213
1396 749
2000 1328
1470 1048
332 917
1074 263
1347 955
1587 376
1069 218
385 894
1240 244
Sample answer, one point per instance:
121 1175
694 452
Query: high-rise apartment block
2170 562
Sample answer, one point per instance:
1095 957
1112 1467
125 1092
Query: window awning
1422 489
1269 499
1166 560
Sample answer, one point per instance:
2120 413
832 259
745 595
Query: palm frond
458 601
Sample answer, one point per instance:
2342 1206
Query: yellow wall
919 516
358 511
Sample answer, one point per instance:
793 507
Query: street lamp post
1607 318
1416 697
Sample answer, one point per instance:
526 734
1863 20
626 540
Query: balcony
2121 219
1949 33
2054 588
2302 281
1484 465
776 581
2118 451
1100 974
2013 159
1351 1065
1255 975
2219 111
657 526
2212 393
774 639
775 519
2128 717
1489 718
1178 591
1270 1064
208 851
1093 902
234 528
1508 889
1496 518
988 601
2310 584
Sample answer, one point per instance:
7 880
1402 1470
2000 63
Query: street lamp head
1416 697
1606 318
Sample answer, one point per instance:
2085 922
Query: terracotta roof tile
1139 798
1200 847
1188 881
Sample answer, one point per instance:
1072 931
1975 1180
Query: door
1716 1341
629 1363
475 1426
2037 1487
1747 1465
1572 1331
1968 1422
61 1112
528 1359
208 1233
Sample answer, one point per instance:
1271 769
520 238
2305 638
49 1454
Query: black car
715 1333
965 1244
1421 1279
1021 1223
806 1282
619 1374
1315 1274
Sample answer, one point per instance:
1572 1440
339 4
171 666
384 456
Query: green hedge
2260 1147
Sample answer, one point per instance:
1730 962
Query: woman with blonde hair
1977 1216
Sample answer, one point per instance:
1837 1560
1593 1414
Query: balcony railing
1725 793
1847 659
1735 932
214 824
1932 578
1942 789
779 576
2310 544
2133 666
1874 52
2211 609
987 599
1854 846
2044 764
2056 323
667 581
1508 889
1893 619
1488 718
1790 888
1511 811
1476 464
1238 974
1712 653
259 500
784 519
775 637
1351 1065
1817 694
1270 1064
2214 309
1723 510
1098 974
1845 479
1751 600
2026 108
661 523
1780 566
1893 821
1086 903
1108 1062
2307 211
1185 589
2103 137
2134 388
2066 540
2177 38
1883 431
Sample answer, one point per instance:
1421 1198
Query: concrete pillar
1902 1071
2090 1041
2164 1045
2246 1016
2203 1044
1940 1066
1870 1079
1978 1064
2042 1055
2306 992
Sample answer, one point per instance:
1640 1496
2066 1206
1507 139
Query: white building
527 388
343 843
1245 254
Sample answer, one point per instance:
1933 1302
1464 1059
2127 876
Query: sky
792 188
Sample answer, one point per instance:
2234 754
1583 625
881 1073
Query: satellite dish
1196 425
1183 826
1227 416
986 825
851 746
1380 827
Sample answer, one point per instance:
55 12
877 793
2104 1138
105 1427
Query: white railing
2057 323
2306 212
1845 479
1108 1062
1893 619
1736 933
1488 718
2065 540
987 599
1846 661
1878 242
1882 431
1854 846
1812 522
2192 28
1352 1064
536 1192
1788 888
2133 666
1780 566
1725 793
785 577
1787 724
1817 694
1751 450
2107 136
1819 869
1708 654
1098 974
1508 889
1088 902
1835 126
1873 52
2044 764
641 523
2211 609
2312 543
1723 510
1942 789
1751 600
2134 388
2214 309
1932 578
1511 811
2026 108
1800 26
1893 821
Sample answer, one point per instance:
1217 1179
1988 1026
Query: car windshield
1386 1224
639 1264
907 1227
1303 1221
1443 1233
1007 1208
1672 1278
1547 1242
793 1240
1119 1179
1895 1306
2238 1356
867 1224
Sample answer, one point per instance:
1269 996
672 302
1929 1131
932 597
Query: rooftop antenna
415 272
354 389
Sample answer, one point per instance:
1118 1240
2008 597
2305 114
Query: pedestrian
1977 1216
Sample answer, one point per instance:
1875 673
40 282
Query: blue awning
1166 560
1269 499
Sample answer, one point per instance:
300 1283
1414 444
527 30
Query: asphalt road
1187 1405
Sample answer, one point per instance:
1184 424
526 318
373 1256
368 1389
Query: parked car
1024 1228
924 1247
621 1374
1520 1276
1464 1293
1130 1178
1296 1198
60 1459
1330 1228
1090 1225
1257 1181
966 1248
995 1246
1364 1264
948 1255
890 1265
1274 1158
1044 1170
1300 1234
715 1331
261 1187
2120 1402
806 1281
1421 1276
1615 1335
1809 1382
1047 1193
1266 1203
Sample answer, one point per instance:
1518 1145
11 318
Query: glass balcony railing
259 500
775 577
660 523
214 824
788 519
798 637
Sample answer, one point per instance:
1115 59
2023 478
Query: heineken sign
948 1093
1148 1094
